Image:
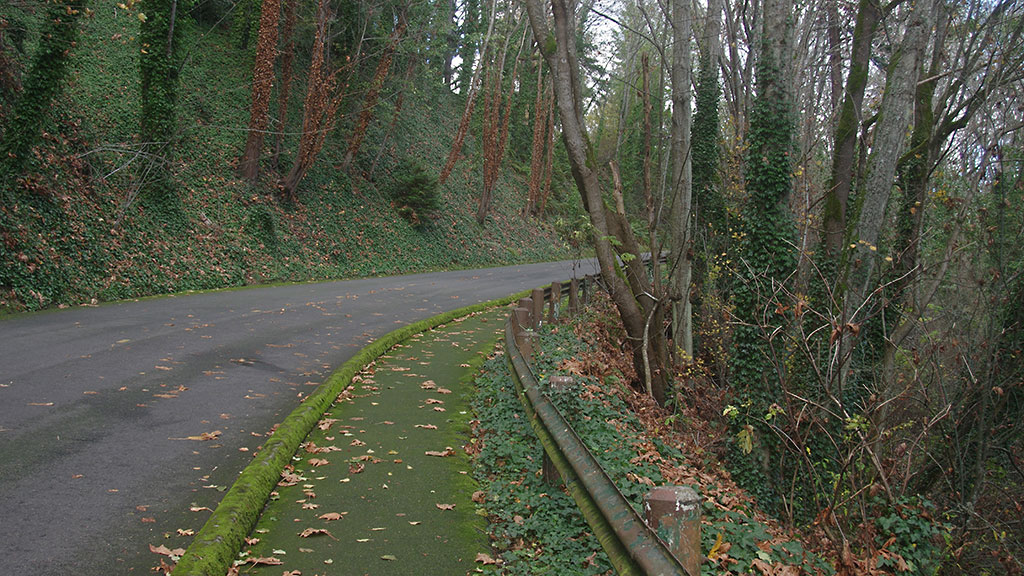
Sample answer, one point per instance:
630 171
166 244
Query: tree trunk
262 82
847 127
681 257
559 49
467 113
373 92
287 61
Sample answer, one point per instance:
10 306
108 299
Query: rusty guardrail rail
633 546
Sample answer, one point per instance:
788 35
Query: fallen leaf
438 409
318 461
316 531
329 516
388 557
148 520
428 385
40 403
186 532
434 401
199 508
426 426
266 560
445 506
448 451
479 496
356 468
310 506
252 541
164 550
485 559
443 391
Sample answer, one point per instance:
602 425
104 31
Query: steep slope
73 231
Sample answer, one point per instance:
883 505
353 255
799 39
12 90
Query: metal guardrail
632 545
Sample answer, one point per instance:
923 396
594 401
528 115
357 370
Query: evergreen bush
415 193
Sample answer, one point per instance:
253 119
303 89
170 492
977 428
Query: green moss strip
217 544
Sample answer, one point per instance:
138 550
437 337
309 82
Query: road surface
120 425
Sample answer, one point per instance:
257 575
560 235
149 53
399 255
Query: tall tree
613 240
471 93
262 82
766 255
160 39
287 62
837 193
319 107
373 92
43 83
681 257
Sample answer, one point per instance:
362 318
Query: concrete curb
217 544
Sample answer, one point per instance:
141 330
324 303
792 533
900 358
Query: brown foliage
262 81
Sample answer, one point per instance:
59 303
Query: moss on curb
216 545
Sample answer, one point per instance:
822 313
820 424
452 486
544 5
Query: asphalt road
103 410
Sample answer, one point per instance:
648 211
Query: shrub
415 192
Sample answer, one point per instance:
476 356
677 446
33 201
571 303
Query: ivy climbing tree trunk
766 259
373 92
43 83
495 127
628 283
158 64
287 62
319 107
262 82
467 113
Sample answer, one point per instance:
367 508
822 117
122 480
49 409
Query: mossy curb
216 545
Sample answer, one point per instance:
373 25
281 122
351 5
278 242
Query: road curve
101 409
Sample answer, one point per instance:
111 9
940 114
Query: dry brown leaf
165 551
318 461
329 516
448 451
426 426
443 391
485 559
316 531
445 506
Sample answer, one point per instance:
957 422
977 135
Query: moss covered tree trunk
43 84
160 39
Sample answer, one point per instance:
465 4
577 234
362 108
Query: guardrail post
526 338
556 300
538 306
528 304
574 297
674 513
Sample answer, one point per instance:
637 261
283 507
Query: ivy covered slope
536 528
74 226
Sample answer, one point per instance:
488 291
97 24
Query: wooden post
674 513
556 299
538 307
574 297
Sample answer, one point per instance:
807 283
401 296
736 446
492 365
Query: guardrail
632 544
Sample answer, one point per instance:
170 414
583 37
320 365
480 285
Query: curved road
121 425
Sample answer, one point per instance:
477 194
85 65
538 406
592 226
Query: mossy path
383 484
